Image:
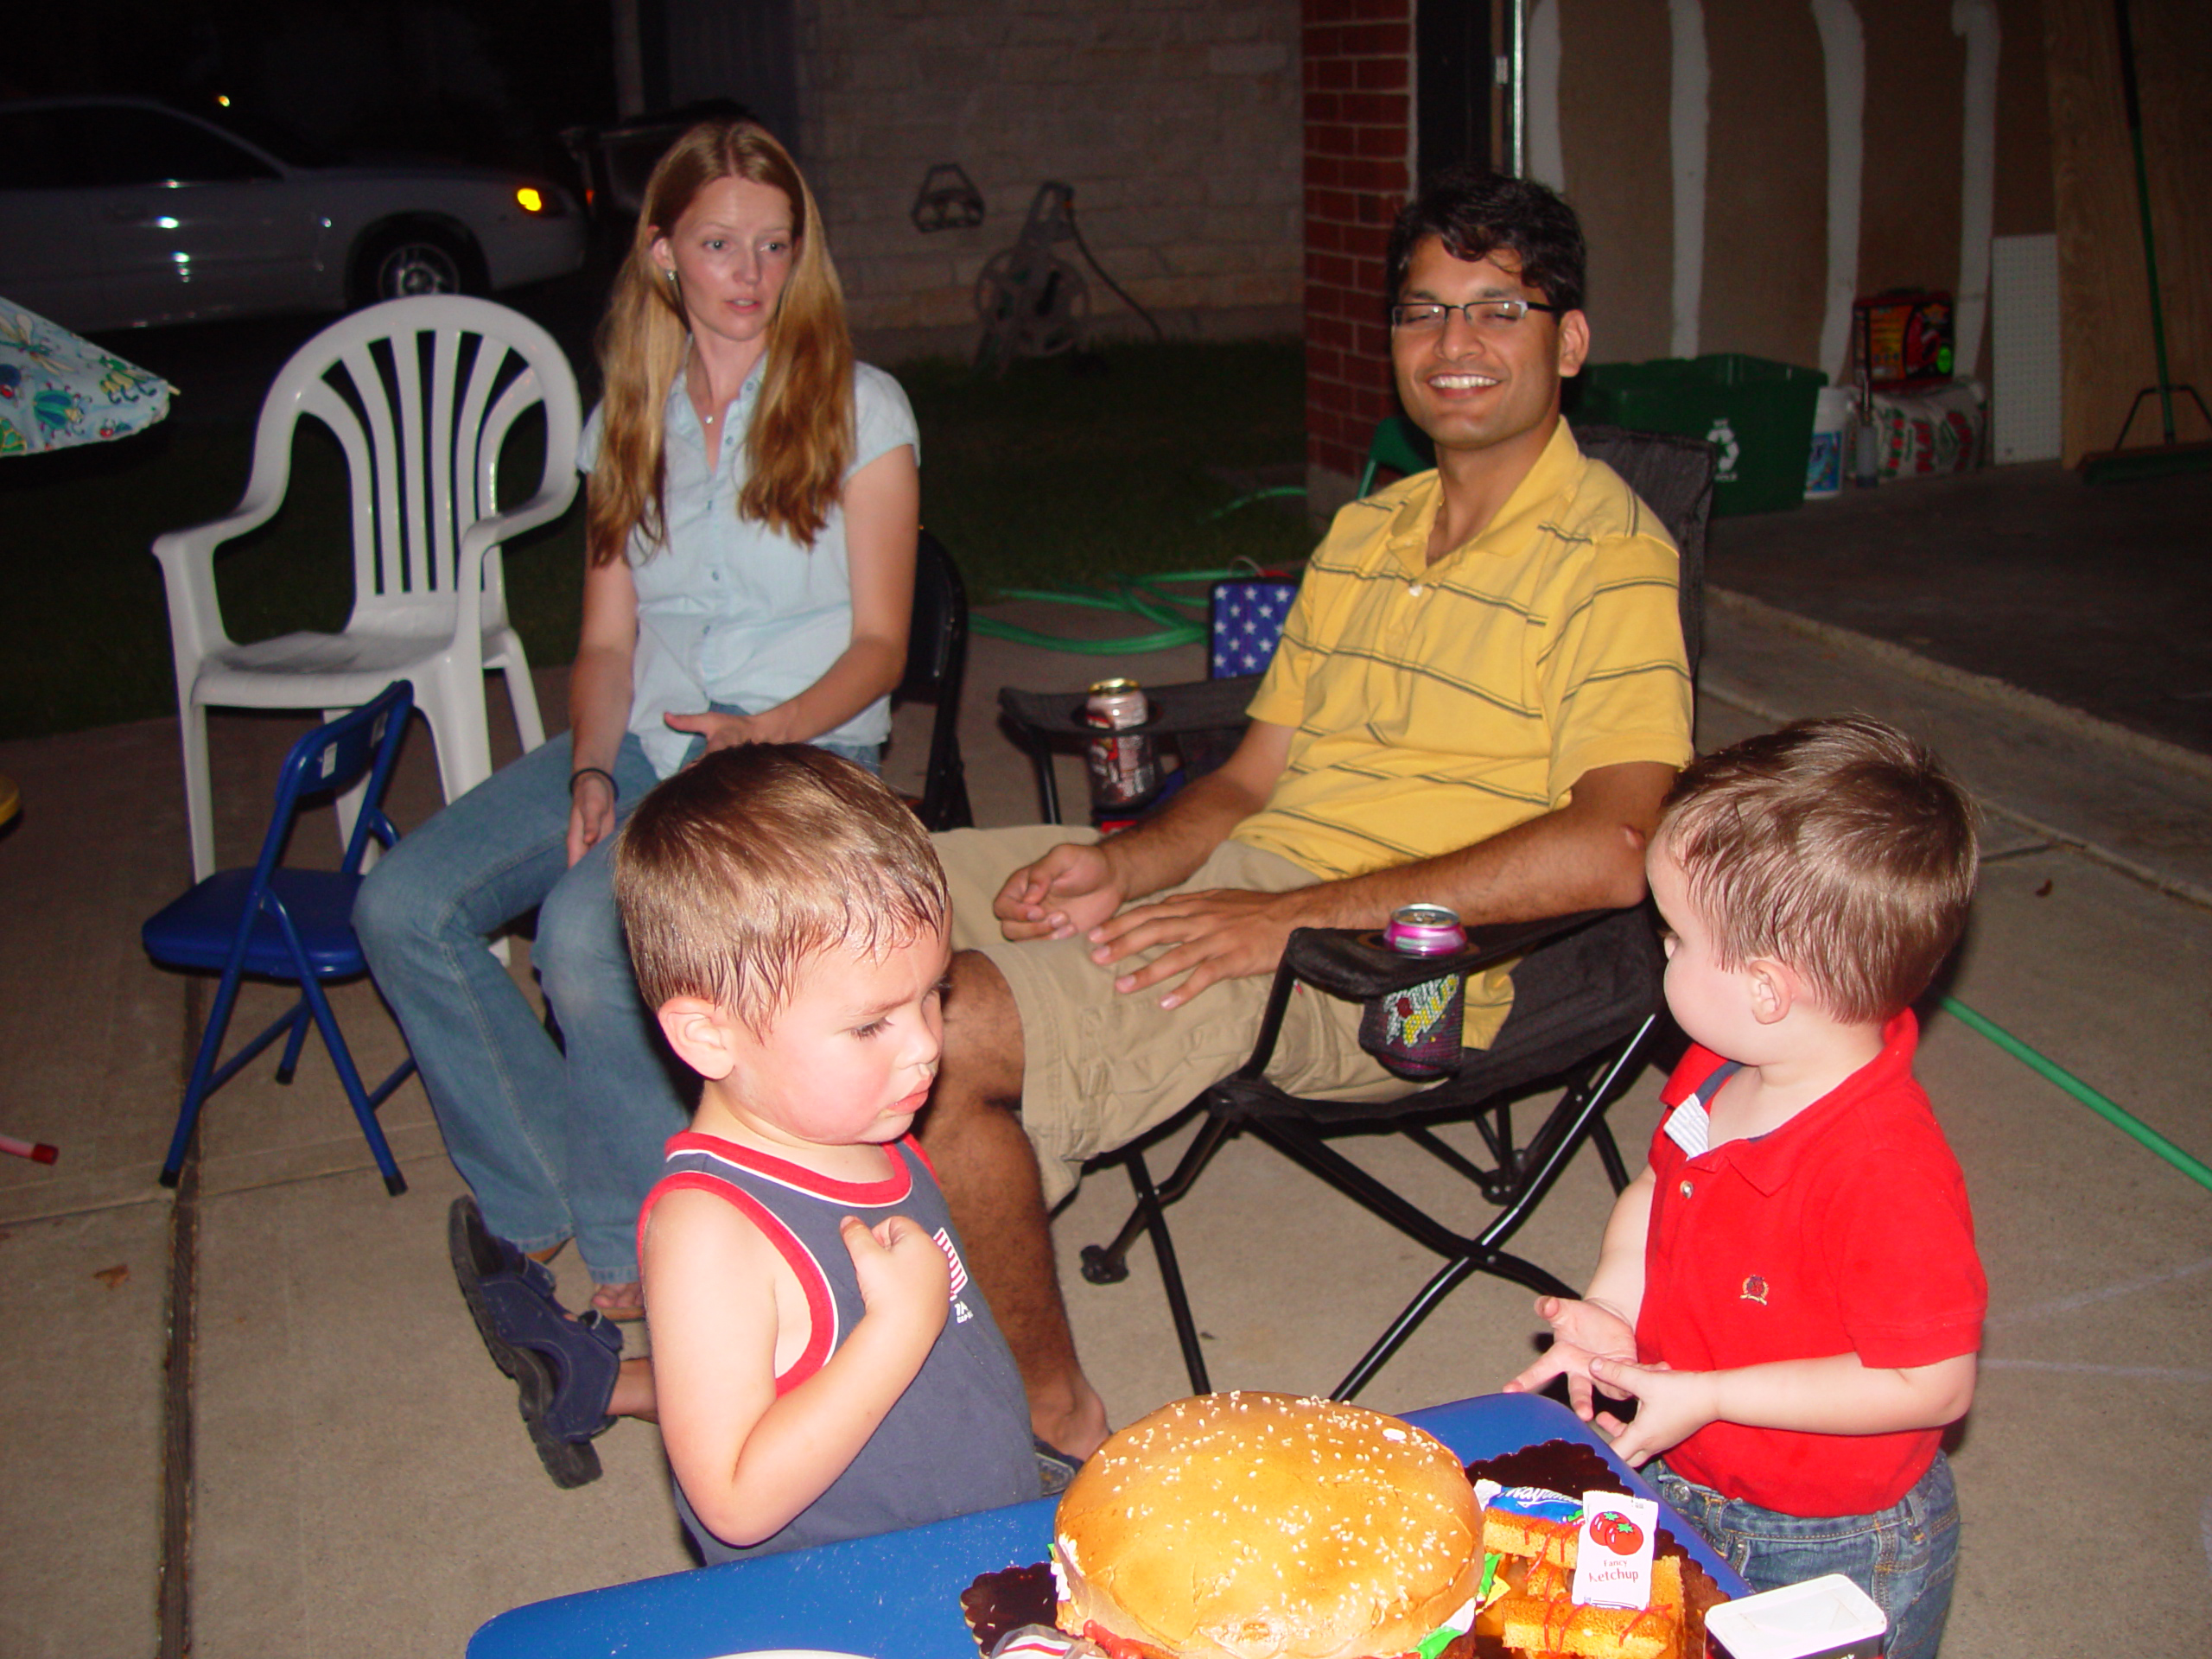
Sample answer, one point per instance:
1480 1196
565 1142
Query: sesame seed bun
1264 1526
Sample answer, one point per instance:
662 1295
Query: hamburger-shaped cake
1264 1526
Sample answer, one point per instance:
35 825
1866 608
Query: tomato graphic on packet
1616 1532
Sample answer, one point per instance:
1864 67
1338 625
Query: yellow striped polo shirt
1434 705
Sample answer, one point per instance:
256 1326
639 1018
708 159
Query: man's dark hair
1475 212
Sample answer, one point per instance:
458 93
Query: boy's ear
1774 988
702 1034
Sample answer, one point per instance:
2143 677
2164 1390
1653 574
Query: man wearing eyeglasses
1479 700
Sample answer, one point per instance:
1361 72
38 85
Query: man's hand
904 1276
1070 890
1581 1331
1221 933
1671 1405
591 814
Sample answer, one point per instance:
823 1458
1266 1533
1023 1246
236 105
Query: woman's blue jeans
1905 1557
554 1145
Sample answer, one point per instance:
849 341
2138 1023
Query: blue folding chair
294 925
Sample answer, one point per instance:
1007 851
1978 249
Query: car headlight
541 201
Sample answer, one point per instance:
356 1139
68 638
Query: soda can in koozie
1124 772
1414 1033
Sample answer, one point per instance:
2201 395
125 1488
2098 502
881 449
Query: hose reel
1032 302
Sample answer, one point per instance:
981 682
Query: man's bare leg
984 1161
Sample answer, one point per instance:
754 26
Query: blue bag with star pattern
1247 614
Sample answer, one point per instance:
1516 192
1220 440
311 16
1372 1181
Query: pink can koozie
1414 1033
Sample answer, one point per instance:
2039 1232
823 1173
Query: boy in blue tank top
822 1368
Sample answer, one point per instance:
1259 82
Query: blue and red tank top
957 1440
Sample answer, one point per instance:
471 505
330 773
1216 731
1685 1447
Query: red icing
1118 1647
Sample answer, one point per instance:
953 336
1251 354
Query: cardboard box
1904 339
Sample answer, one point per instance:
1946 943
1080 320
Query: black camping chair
937 664
1586 1003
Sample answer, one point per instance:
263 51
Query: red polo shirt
1846 1231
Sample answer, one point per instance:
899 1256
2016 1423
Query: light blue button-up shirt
731 611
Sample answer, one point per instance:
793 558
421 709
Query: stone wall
1176 123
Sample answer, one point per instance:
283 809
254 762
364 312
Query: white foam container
1827 1617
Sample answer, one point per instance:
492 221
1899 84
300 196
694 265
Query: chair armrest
489 533
201 541
1176 710
1354 963
188 562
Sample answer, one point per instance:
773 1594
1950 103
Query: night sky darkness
484 80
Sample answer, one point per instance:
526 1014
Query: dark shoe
563 1368
1055 1468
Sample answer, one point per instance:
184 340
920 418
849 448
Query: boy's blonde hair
733 872
1839 847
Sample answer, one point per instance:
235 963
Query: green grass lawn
1059 472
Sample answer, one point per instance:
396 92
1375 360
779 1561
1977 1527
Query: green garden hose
1166 639
1144 596
2118 1116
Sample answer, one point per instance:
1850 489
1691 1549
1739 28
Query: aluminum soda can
1414 1033
1124 770
1425 930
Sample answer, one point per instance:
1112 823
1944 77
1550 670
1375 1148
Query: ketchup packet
1612 1562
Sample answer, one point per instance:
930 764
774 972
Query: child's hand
1671 1405
1581 1331
904 1276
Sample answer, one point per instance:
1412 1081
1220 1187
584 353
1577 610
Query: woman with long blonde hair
752 512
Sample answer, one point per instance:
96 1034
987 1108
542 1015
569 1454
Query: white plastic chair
421 395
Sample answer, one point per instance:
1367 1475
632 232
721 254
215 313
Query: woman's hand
720 731
591 812
781 724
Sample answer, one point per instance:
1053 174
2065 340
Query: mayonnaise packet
1535 1502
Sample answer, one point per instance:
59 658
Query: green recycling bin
1758 414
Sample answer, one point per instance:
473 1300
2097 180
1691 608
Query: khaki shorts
1101 1067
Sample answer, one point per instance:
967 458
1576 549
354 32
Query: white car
118 212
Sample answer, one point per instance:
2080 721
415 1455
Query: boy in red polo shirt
1790 1290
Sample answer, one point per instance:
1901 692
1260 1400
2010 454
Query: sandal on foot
604 1302
1055 1468
564 1369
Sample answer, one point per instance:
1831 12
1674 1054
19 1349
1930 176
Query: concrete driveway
359 1481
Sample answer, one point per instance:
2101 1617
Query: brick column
1358 60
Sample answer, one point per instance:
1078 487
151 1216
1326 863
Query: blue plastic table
897 1596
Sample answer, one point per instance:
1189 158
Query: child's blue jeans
1905 1556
